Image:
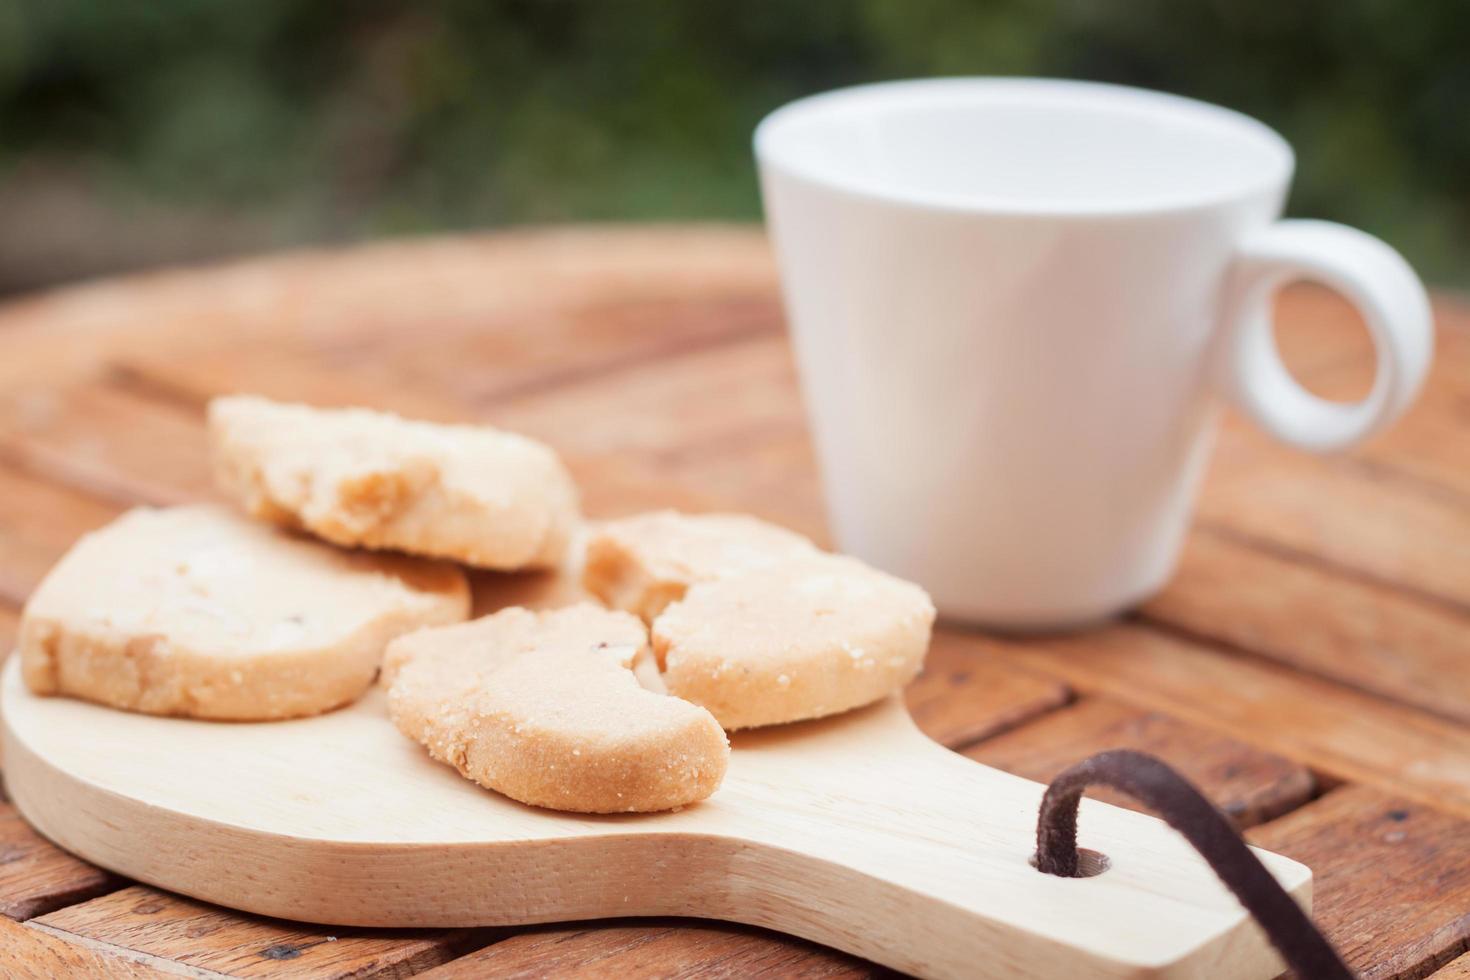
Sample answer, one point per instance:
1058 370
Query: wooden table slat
664 949
190 378
108 441
1249 785
323 299
1364 635
1345 733
1367 523
566 346
1392 886
146 920
31 954
36 876
1395 510
958 700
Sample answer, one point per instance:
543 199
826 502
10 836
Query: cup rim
770 154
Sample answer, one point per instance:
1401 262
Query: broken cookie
545 707
806 638
358 477
753 621
643 563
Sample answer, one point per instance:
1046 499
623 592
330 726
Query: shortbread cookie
643 563
198 611
803 639
359 477
545 708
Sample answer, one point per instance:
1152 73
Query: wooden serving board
857 832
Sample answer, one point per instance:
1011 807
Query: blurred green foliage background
134 132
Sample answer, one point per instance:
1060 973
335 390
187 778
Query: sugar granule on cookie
358 477
643 563
546 708
198 611
805 638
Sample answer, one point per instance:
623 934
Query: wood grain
1296 612
190 378
1393 890
31 954
1456 969
168 926
960 699
41 521
650 410
531 310
107 440
547 349
330 299
36 876
725 423
665 949
1364 520
1249 785
1431 448
1343 732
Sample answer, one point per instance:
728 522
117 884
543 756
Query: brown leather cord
1153 783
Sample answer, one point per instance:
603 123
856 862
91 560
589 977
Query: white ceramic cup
1014 304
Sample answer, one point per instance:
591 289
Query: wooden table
1309 666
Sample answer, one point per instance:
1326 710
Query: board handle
1181 805
863 834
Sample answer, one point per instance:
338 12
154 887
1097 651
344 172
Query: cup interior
1024 144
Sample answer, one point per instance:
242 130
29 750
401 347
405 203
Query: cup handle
1370 275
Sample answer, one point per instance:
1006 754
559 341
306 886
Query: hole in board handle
1090 863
